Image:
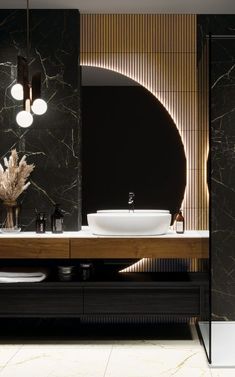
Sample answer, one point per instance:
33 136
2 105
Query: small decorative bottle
41 222
86 271
57 220
179 222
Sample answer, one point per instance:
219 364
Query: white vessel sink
125 223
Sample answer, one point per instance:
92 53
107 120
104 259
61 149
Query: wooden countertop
83 244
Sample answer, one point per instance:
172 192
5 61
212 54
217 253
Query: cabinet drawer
147 301
40 301
34 248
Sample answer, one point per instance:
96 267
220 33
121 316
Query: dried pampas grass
13 178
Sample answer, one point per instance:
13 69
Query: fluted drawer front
124 300
38 301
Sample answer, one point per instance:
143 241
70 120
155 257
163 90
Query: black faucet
131 203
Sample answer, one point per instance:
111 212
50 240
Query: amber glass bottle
57 220
179 223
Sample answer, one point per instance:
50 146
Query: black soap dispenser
40 222
57 219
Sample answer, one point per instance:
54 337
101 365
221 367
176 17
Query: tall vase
11 222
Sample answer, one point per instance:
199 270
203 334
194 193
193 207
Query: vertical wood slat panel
158 51
137 33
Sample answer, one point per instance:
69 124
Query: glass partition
218 331
222 93
204 114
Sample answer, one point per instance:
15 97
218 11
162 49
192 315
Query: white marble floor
150 358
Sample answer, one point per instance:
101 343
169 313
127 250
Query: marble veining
140 358
53 142
222 147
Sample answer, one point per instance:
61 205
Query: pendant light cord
28 39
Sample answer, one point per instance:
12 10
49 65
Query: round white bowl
129 223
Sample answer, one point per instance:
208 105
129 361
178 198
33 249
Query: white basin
125 223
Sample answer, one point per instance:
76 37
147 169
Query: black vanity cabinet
175 296
109 293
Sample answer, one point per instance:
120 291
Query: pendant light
26 91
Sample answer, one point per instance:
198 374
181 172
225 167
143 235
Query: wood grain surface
139 248
47 248
34 248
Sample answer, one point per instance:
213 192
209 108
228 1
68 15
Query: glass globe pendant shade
39 106
17 92
24 119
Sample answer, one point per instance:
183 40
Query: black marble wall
52 143
222 171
